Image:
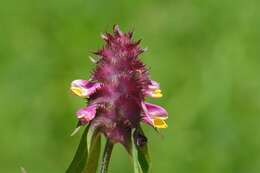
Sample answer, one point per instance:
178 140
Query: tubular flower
153 90
84 88
85 115
117 90
154 115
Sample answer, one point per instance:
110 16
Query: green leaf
81 155
141 158
137 168
94 152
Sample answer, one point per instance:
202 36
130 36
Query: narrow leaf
134 156
81 155
137 168
143 158
140 152
94 152
76 130
143 155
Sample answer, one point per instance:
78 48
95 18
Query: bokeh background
205 53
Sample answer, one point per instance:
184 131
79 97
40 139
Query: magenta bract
117 90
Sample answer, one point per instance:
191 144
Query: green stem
106 157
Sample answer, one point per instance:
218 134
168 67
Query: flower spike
84 88
116 105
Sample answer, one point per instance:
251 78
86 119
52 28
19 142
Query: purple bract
117 89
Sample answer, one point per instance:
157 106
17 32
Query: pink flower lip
85 115
154 85
156 111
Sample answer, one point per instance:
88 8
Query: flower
84 88
117 89
154 115
85 115
153 90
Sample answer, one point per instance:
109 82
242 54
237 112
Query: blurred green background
205 54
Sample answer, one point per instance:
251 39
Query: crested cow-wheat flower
116 92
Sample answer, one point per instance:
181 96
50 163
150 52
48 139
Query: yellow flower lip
157 93
154 90
158 122
77 90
